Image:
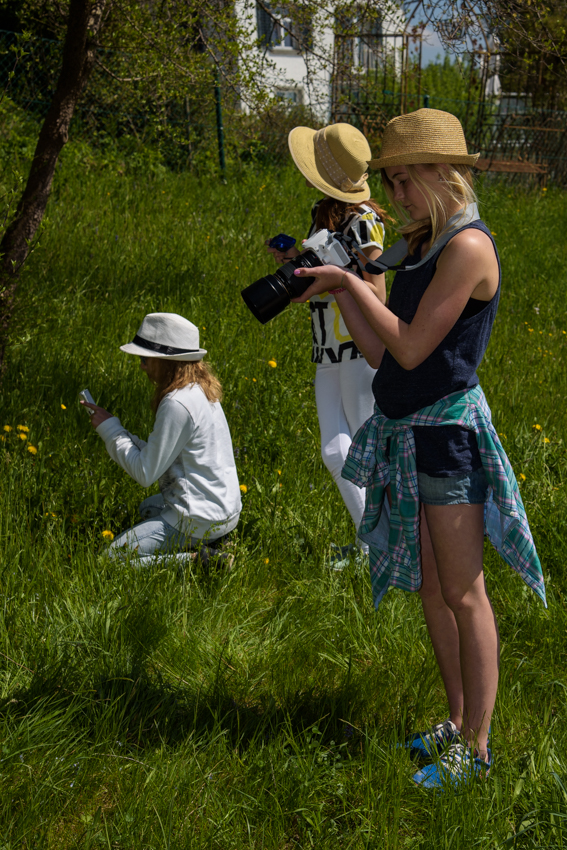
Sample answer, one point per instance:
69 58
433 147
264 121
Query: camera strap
392 258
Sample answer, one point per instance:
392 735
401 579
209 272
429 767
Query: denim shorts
467 488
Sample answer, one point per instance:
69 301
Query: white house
299 58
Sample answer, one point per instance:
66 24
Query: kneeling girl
189 451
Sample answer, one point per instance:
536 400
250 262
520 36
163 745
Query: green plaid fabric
398 563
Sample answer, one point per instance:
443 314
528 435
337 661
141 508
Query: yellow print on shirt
342 337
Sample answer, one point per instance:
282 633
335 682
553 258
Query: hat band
161 349
339 177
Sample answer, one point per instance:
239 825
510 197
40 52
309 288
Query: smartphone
86 396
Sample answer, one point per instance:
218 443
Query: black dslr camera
271 294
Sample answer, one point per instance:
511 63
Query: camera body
269 295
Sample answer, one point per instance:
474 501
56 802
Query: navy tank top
445 450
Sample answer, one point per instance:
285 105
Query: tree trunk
83 25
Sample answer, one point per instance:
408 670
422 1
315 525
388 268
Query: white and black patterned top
331 339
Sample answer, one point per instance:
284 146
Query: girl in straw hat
430 443
334 160
189 451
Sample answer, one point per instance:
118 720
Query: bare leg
442 627
456 533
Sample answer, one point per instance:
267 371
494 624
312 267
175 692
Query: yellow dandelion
530 330
243 488
108 535
521 477
536 427
546 440
8 428
32 450
272 363
255 381
493 233
3 439
63 407
262 187
266 560
23 436
204 328
279 471
23 428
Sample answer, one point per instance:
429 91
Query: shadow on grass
140 708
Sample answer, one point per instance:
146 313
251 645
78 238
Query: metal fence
509 105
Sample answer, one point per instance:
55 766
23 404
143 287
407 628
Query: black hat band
161 349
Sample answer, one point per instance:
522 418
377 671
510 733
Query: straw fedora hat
333 159
166 336
424 136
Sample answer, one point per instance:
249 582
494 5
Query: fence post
426 101
220 130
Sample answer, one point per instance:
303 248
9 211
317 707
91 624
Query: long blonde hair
172 375
457 185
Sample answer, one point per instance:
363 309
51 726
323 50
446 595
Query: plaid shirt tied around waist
395 557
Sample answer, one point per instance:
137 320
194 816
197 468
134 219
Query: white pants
344 402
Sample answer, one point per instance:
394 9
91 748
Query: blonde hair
457 185
172 375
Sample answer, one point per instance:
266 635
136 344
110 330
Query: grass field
256 708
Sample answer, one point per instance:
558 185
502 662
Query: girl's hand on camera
282 257
326 278
100 414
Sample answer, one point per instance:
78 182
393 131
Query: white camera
328 248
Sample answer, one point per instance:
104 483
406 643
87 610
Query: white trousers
343 392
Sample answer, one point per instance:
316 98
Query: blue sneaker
428 745
456 767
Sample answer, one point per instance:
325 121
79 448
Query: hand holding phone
86 396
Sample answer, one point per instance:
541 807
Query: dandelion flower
266 560
536 427
521 477
493 233
243 488
23 436
272 363
279 471
23 428
254 379
63 407
530 330
546 440
32 450
8 428
108 535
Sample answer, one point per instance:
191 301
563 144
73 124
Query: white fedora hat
166 336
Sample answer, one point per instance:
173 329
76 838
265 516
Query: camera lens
269 295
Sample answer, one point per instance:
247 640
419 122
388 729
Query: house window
289 97
370 44
277 29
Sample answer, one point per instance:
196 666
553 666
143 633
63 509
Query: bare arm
376 282
466 268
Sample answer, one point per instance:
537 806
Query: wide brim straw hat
166 336
333 159
426 136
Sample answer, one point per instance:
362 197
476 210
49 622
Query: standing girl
334 160
431 437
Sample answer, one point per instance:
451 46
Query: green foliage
258 707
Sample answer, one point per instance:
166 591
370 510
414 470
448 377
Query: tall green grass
258 707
